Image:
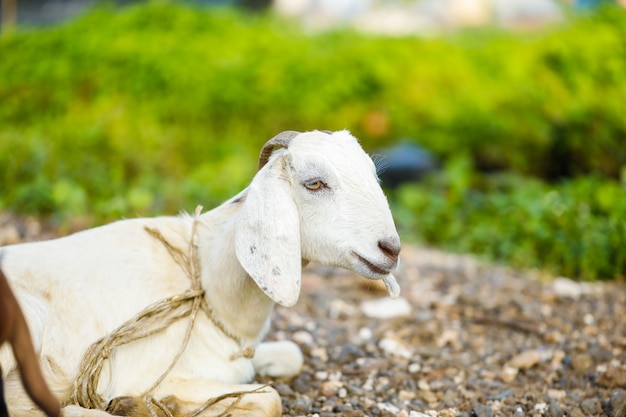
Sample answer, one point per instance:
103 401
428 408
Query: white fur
75 290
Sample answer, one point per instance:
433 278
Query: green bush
158 107
575 228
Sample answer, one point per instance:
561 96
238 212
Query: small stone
423 385
9 235
301 405
581 363
386 308
389 408
321 375
504 394
567 288
554 410
618 403
395 347
449 337
353 389
428 396
414 368
330 388
353 413
613 377
590 406
283 390
576 412
557 359
302 383
557 394
365 334
320 353
482 410
525 360
508 374
450 397
406 395
303 337
450 412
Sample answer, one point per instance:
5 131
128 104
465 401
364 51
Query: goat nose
390 247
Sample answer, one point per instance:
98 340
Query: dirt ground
464 338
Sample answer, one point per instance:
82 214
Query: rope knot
247 352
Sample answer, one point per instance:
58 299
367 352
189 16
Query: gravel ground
464 339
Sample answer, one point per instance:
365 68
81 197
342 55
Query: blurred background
499 125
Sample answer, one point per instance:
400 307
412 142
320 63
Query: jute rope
152 320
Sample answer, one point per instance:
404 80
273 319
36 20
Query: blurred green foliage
152 108
575 228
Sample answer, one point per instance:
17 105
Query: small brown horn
281 140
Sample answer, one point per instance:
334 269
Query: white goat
316 199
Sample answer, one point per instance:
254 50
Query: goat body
317 200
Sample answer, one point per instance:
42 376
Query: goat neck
238 303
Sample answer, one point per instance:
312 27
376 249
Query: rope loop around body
152 320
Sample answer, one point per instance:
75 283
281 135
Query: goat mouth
372 267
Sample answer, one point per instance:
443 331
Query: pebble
618 403
303 337
428 396
557 394
386 308
450 397
353 413
567 288
554 410
581 363
423 385
405 395
365 334
613 377
283 390
590 406
301 405
576 412
321 375
450 412
301 384
525 360
482 410
427 413
449 337
388 407
9 235
414 368
330 388
504 394
508 374
320 353
394 347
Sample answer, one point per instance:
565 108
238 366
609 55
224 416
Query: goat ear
267 237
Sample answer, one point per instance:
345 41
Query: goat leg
136 407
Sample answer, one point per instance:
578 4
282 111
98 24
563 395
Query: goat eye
314 185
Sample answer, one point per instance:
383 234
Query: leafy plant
156 107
